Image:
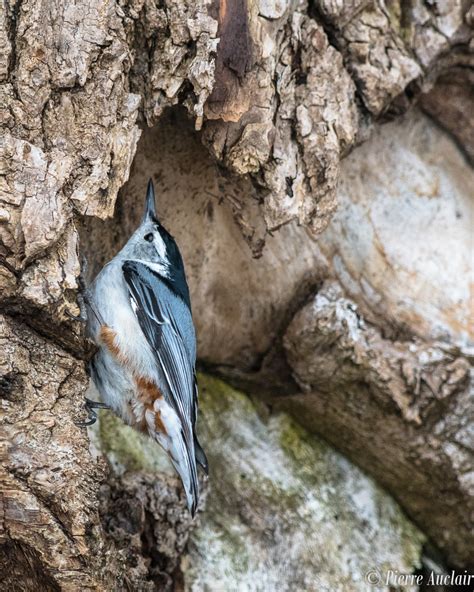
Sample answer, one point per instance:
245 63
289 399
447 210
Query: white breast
112 301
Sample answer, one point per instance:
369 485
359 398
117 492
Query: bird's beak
150 210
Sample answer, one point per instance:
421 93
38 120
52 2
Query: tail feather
184 461
201 458
180 449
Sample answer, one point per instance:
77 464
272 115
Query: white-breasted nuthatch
139 316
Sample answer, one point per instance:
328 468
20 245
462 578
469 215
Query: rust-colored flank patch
147 390
159 425
107 336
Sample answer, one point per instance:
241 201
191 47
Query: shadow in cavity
194 202
188 187
20 562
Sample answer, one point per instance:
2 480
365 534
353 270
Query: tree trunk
363 337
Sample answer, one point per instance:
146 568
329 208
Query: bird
138 314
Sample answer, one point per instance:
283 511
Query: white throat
160 268
160 246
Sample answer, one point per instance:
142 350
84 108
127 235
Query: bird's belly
112 301
137 399
114 382
124 355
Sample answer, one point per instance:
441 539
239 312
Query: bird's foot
78 318
83 274
82 296
83 301
91 406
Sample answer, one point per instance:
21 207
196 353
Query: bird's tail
184 461
201 457
179 442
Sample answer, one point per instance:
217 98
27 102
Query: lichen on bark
279 484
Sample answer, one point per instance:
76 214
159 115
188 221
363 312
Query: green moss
127 449
272 476
406 531
399 21
216 396
271 481
298 443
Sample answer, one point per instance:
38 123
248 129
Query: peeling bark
402 409
450 104
50 530
149 525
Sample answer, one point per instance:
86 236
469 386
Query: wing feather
166 321
168 327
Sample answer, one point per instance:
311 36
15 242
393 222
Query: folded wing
167 324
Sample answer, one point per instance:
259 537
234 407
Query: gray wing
167 324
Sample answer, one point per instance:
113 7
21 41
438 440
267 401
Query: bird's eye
149 237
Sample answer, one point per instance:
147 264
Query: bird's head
151 242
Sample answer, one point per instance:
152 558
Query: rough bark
281 92
403 409
144 515
50 530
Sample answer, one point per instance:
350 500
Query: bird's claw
91 406
82 301
91 421
79 318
